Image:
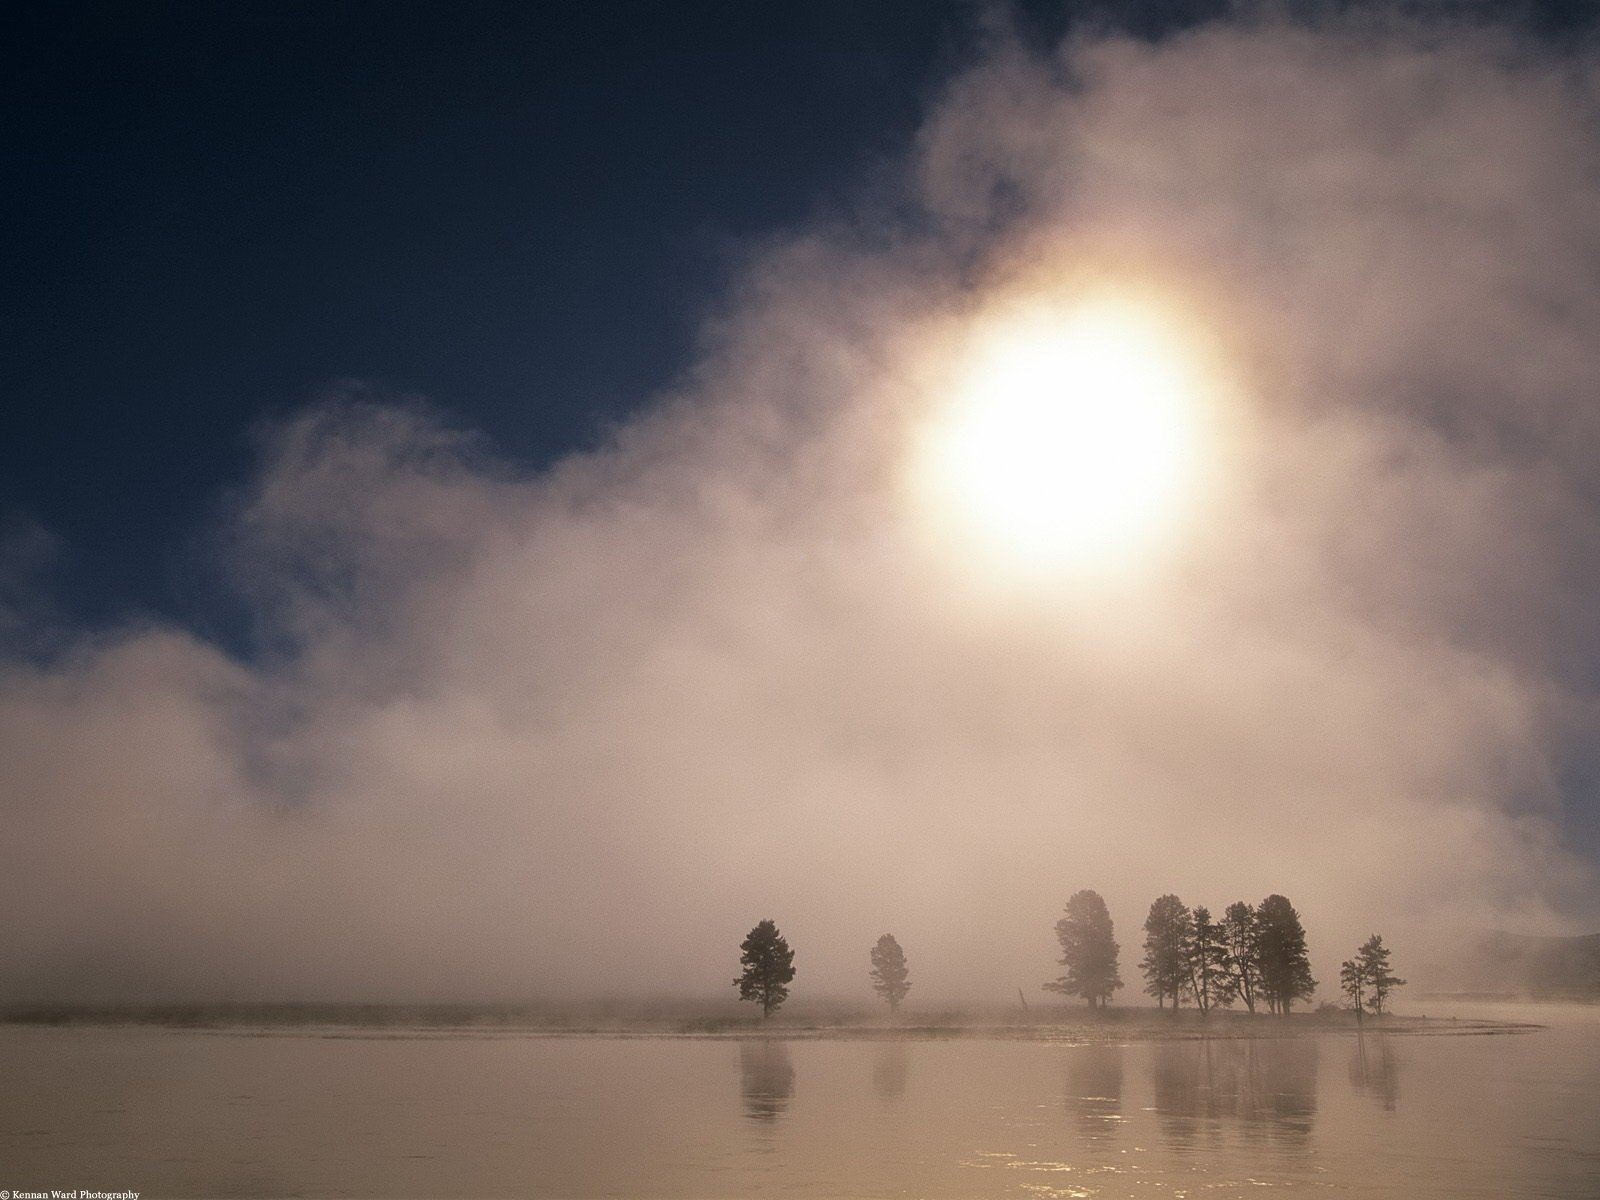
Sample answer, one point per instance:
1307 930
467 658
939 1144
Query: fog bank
573 732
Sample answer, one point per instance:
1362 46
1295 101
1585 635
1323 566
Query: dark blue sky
517 210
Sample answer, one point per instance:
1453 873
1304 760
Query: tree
1207 961
1373 961
889 973
1167 931
1353 981
1088 951
1281 950
768 967
1240 953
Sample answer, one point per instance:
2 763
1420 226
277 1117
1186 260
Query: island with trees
1251 963
1238 975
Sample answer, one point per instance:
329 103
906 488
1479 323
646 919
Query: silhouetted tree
1167 931
1353 982
768 967
1373 961
1281 951
1207 962
1088 951
890 978
1240 952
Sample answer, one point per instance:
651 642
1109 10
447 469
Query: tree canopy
1239 955
768 967
890 976
1088 950
1167 931
1207 961
1372 960
1281 953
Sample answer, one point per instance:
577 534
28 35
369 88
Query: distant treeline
1255 955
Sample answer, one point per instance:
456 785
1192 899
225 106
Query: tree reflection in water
766 1078
890 1066
1265 1088
1094 1089
1375 1069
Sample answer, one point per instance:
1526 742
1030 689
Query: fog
572 732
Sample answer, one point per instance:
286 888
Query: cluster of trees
1255 954
1367 978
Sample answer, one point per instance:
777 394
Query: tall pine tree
1373 961
1281 947
890 976
1353 982
1241 952
1088 950
1209 979
768 968
1167 931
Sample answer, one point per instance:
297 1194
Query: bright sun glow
1072 437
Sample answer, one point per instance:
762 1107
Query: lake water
171 1113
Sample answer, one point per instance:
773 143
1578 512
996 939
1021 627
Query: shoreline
1125 1026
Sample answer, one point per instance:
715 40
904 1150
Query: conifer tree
1353 982
1207 961
890 977
1241 953
768 967
1088 950
1373 961
1167 931
1281 950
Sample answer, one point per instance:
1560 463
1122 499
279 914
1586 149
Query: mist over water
572 733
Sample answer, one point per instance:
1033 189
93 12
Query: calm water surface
220 1114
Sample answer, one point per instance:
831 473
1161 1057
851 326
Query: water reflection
1094 1089
766 1078
1375 1070
1266 1088
891 1064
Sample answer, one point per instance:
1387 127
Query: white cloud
576 733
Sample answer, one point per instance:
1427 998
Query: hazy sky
573 728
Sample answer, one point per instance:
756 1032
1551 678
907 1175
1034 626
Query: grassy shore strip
1115 1025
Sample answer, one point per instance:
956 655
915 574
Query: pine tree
1207 962
1088 950
1373 960
1353 981
890 977
1281 947
1241 953
768 968
1167 931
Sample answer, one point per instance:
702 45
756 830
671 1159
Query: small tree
1241 953
1281 947
1088 951
768 968
1167 931
1373 961
1207 960
1353 982
890 977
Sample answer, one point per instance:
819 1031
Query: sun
1072 436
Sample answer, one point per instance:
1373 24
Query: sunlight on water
214 1113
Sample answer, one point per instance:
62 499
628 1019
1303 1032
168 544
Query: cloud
574 732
